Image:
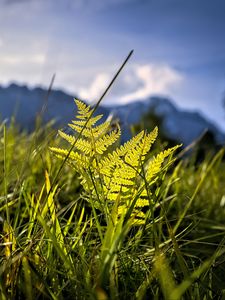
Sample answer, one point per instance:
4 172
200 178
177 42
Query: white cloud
24 68
155 79
138 82
1 42
21 60
96 88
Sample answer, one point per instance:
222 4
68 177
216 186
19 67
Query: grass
56 245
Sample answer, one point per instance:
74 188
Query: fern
112 176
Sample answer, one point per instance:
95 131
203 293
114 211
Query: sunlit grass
56 245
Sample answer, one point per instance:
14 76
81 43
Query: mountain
176 124
25 103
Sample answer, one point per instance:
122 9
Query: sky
179 49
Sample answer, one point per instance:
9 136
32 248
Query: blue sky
179 49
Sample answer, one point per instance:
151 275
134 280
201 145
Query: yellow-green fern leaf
88 123
116 158
142 203
91 132
102 129
78 160
107 140
84 111
112 178
69 138
130 145
154 166
143 146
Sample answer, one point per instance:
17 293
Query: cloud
21 60
155 79
96 88
24 68
137 83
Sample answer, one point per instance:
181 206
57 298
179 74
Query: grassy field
66 235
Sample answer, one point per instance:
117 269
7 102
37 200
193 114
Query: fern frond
154 166
142 203
147 142
102 129
89 123
84 146
113 178
81 144
90 132
116 158
84 111
107 140
130 145
78 160
85 132
141 149
69 138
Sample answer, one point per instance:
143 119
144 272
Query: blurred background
179 51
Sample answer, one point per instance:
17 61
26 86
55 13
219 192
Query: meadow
83 217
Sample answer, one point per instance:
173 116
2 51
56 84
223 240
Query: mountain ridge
180 125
